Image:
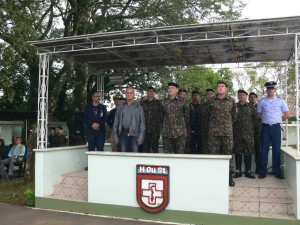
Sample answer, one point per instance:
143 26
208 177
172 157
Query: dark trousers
150 144
196 144
95 140
270 134
128 143
174 145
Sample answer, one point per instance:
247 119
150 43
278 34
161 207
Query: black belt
125 130
270 125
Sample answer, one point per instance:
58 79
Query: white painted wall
291 171
9 129
52 163
198 183
291 134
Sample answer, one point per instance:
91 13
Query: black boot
257 162
231 182
238 166
248 167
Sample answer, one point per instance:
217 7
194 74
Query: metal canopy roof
227 42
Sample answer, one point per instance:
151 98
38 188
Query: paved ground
18 215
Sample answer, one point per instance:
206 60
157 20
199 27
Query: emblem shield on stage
152 187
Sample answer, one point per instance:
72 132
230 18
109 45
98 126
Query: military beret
151 88
222 82
173 84
242 91
117 96
195 92
183 90
252 93
60 127
210 89
270 84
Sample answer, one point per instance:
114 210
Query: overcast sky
260 9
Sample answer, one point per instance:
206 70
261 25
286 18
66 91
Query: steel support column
283 86
297 56
100 86
42 120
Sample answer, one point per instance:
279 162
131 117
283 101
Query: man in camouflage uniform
243 134
222 111
153 120
183 94
110 122
257 146
205 119
175 119
196 124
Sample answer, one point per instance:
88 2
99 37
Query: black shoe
86 168
249 175
231 183
237 174
281 177
261 176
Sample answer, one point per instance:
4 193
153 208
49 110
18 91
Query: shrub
29 197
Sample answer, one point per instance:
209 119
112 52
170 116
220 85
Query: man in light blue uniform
272 110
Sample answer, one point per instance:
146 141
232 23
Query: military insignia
152 187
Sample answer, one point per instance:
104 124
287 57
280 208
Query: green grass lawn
13 194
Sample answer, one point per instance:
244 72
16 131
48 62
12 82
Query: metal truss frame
86 43
42 122
235 32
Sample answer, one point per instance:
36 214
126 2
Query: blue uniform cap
270 84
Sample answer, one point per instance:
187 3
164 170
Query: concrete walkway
18 215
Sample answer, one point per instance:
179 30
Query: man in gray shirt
129 124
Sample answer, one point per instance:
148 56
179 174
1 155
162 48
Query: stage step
74 187
269 197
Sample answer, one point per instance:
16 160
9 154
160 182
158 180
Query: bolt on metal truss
42 128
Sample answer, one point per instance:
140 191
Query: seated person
51 137
17 150
59 139
2 149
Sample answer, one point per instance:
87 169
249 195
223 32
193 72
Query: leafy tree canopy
27 20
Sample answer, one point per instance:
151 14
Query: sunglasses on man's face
270 88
